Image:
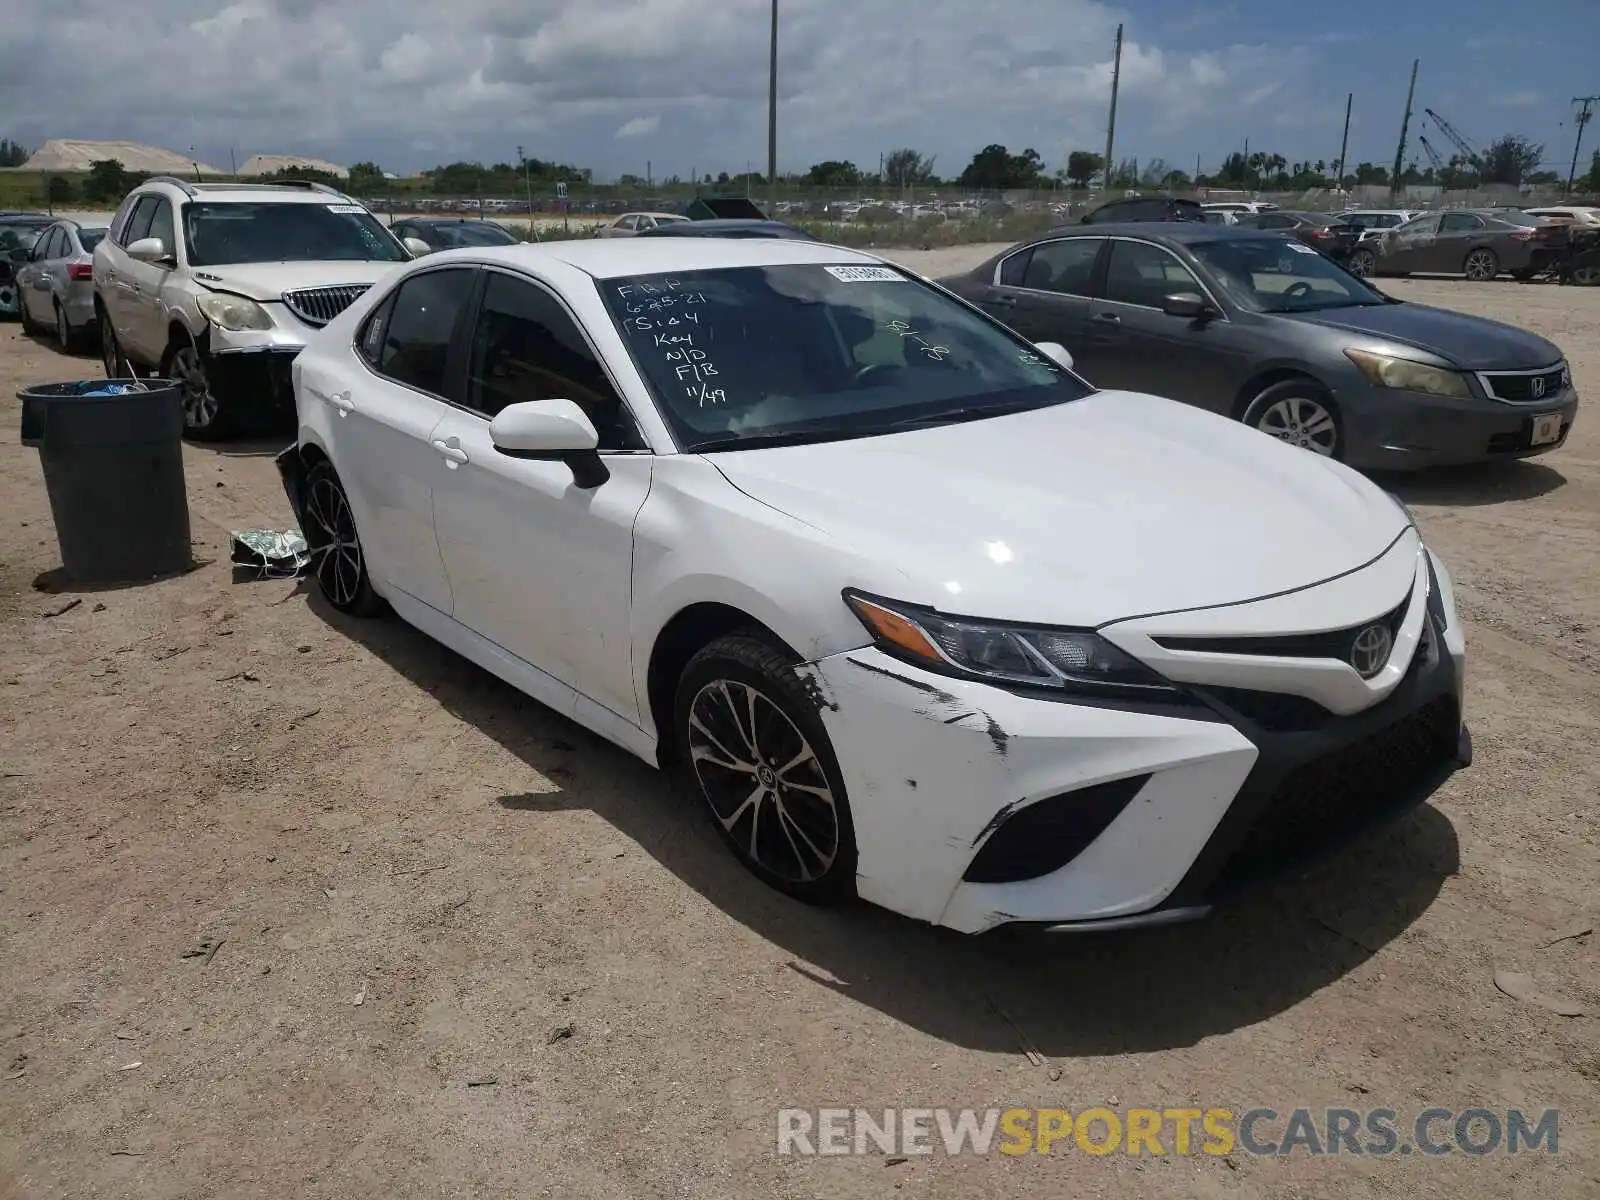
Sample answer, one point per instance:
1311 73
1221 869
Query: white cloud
638 127
567 81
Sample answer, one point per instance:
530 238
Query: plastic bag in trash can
273 553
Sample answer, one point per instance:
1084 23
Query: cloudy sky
681 84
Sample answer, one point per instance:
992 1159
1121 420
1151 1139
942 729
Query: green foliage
833 174
60 190
994 168
12 154
906 167
108 181
1083 166
1511 159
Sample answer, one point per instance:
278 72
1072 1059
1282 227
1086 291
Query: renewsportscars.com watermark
1262 1132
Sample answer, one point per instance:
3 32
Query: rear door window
139 223
1066 266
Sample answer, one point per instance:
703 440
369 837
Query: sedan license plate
1546 429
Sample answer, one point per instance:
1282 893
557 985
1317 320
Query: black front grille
1048 834
1526 389
1327 799
1334 643
1275 712
318 306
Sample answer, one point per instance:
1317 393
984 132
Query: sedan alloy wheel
1291 413
1481 266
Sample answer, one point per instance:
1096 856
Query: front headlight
1059 659
234 312
1387 371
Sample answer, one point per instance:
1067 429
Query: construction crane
1433 155
1469 153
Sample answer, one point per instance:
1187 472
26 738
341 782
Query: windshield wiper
971 412
787 437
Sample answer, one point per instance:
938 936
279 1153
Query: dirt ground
299 906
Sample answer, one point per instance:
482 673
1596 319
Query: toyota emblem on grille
1370 650
1538 386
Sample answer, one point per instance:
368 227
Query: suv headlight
234 312
1068 660
1387 371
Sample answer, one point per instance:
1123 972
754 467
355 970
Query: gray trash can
112 454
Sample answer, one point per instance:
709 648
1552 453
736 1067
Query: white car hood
1113 506
268 281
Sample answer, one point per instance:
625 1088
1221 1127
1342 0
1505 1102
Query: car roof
642 213
605 258
248 193
448 221
27 218
1182 232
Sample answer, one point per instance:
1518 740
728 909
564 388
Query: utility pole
1405 125
1344 145
772 112
1585 114
1111 122
527 183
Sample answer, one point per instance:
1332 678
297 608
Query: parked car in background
1325 234
1267 331
1578 218
1480 244
450 233
923 617
630 224
1373 221
731 227
1219 216
1145 208
18 233
56 285
217 286
1239 207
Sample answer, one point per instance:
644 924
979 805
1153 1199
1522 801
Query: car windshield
1279 275
1510 217
20 235
745 356
225 234
90 238
474 233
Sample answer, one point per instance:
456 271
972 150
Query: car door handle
997 298
340 401
452 451
1110 318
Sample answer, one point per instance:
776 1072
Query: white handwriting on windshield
930 350
664 310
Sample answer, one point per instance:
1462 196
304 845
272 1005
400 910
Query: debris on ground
559 1034
133 1066
205 948
1578 930
270 553
1521 986
483 1081
360 997
65 608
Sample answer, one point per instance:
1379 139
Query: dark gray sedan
1479 245
1266 330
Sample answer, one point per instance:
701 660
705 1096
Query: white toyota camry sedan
930 619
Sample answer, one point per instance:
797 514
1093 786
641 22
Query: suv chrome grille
1525 387
317 306
1333 644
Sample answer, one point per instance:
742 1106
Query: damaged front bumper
257 381
976 807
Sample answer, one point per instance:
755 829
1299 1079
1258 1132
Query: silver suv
218 285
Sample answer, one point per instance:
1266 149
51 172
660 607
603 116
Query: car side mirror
551 431
417 246
1055 352
150 250
1191 306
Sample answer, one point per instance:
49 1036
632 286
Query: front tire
762 760
30 327
111 361
338 561
1362 263
1481 266
187 366
1299 412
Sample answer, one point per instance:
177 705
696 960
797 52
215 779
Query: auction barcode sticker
866 274
346 208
